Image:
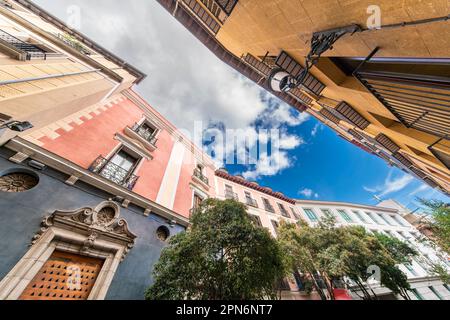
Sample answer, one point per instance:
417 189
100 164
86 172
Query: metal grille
199 174
430 182
113 172
259 66
203 15
146 132
300 95
213 8
227 5
418 101
351 115
402 160
33 52
387 143
330 116
417 172
287 63
356 134
64 276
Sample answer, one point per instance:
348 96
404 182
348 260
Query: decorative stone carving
95 223
17 182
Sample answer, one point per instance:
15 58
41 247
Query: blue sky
187 83
327 167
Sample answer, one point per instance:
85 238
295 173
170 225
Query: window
446 287
384 219
162 233
256 220
345 215
327 213
360 216
199 174
411 269
249 199
118 167
295 214
401 221
275 225
229 193
283 211
311 215
146 131
268 206
417 294
436 293
369 214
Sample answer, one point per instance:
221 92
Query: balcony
415 91
142 133
21 49
74 43
113 172
231 195
199 176
141 130
251 202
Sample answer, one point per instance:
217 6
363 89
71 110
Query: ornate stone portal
88 232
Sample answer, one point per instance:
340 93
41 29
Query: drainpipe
50 76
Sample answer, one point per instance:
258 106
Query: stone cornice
56 162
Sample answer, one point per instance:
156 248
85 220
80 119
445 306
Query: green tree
222 256
439 240
440 224
335 253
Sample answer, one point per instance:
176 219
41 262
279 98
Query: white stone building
425 286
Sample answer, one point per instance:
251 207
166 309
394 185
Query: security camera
17 125
279 80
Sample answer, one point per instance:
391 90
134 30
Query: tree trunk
316 286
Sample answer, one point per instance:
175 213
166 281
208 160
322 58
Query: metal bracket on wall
321 42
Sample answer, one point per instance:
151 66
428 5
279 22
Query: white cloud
419 189
269 165
316 129
308 193
290 141
186 82
391 185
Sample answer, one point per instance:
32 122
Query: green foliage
345 252
223 256
440 212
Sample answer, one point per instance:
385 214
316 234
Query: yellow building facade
378 74
49 71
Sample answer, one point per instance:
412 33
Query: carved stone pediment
102 221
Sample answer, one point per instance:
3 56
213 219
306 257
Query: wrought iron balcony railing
32 51
113 172
251 202
231 195
141 130
198 174
74 43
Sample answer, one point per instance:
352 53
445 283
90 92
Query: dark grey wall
21 215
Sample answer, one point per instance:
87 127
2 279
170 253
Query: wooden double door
65 276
